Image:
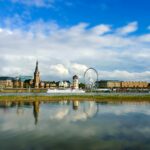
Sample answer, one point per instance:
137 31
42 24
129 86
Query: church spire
36 76
37 68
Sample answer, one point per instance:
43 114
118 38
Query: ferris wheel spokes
90 78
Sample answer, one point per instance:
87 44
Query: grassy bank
22 90
106 98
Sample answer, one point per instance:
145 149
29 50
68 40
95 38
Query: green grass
107 98
24 90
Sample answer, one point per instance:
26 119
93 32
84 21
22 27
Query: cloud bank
65 51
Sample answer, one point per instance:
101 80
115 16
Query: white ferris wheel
90 78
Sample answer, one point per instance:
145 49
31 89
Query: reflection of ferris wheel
90 78
91 109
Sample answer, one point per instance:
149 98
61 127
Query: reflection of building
75 105
36 76
20 108
5 104
36 107
75 84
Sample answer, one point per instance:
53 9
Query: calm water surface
74 125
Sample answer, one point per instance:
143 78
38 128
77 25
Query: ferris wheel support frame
90 68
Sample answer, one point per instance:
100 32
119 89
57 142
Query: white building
75 84
64 84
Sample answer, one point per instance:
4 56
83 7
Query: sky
69 36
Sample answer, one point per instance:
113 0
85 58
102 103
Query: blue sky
71 12
67 36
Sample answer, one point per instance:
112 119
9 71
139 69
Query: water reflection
20 108
6 104
59 112
80 111
75 105
86 125
36 108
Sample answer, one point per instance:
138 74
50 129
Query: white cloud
129 28
101 29
66 113
59 69
78 69
63 52
125 75
145 38
125 109
67 70
37 3
59 114
90 109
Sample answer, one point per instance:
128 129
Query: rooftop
109 81
6 78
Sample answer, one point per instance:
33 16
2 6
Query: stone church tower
36 76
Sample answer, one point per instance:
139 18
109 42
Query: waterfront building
75 83
121 84
60 84
28 83
23 82
64 84
42 84
134 84
108 84
47 85
36 76
24 78
52 85
6 82
16 82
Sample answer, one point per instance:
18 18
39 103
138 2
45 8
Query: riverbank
101 98
23 90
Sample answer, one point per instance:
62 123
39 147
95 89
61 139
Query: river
74 125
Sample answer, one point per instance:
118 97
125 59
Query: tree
81 85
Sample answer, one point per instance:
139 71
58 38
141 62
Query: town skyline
91 81
102 75
67 42
36 75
